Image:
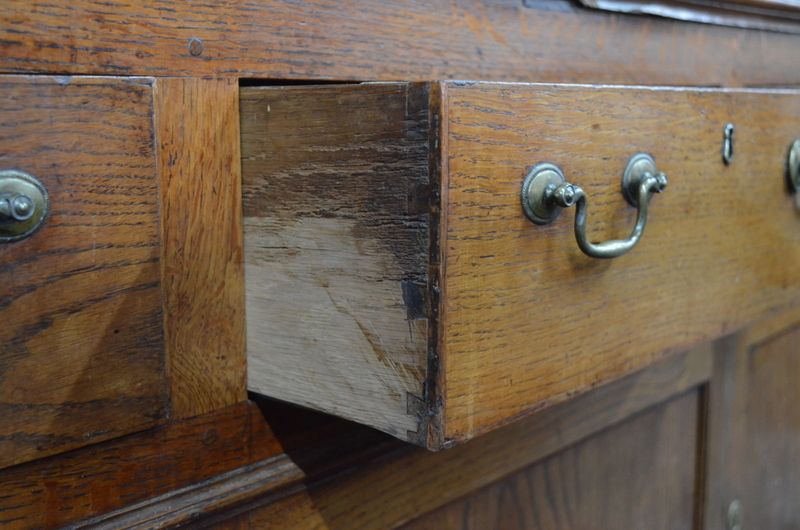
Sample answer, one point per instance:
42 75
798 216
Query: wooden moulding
392 278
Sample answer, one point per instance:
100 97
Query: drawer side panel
336 233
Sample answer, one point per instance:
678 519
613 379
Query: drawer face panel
82 356
528 318
506 316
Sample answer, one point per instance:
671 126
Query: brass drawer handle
545 192
24 204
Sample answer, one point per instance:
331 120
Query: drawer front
528 319
82 355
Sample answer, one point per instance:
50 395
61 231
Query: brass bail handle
545 192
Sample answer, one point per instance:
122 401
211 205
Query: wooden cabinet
393 278
82 356
286 198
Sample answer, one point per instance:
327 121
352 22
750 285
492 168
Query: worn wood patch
336 201
82 356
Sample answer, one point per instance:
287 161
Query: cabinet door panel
754 432
639 474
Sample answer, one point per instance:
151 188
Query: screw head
793 167
22 207
569 194
735 515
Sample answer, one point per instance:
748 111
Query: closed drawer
393 278
82 356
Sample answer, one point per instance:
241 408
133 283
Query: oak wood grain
197 122
526 318
498 40
190 466
391 489
639 474
336 202
82 356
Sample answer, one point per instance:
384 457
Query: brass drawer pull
545 192
24 204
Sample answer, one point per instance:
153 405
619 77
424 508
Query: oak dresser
470 264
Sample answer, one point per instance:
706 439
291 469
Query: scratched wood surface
493 40
82 356
526 318
639 474
336 195
389 489
197 123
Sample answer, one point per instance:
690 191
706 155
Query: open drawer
393 276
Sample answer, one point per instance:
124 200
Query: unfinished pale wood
81 342
336 247
200 179
500 40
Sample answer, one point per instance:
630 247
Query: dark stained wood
82 355
393 489
336 201
639 474
194 454
754 430
197 122
499 40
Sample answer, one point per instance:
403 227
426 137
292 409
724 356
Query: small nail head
196 46
569 194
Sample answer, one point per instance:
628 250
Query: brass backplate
16 183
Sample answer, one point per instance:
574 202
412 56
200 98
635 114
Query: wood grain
754 430
498 40
198 157
527 319
82 357
389 490
336 202
639 474
147 467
